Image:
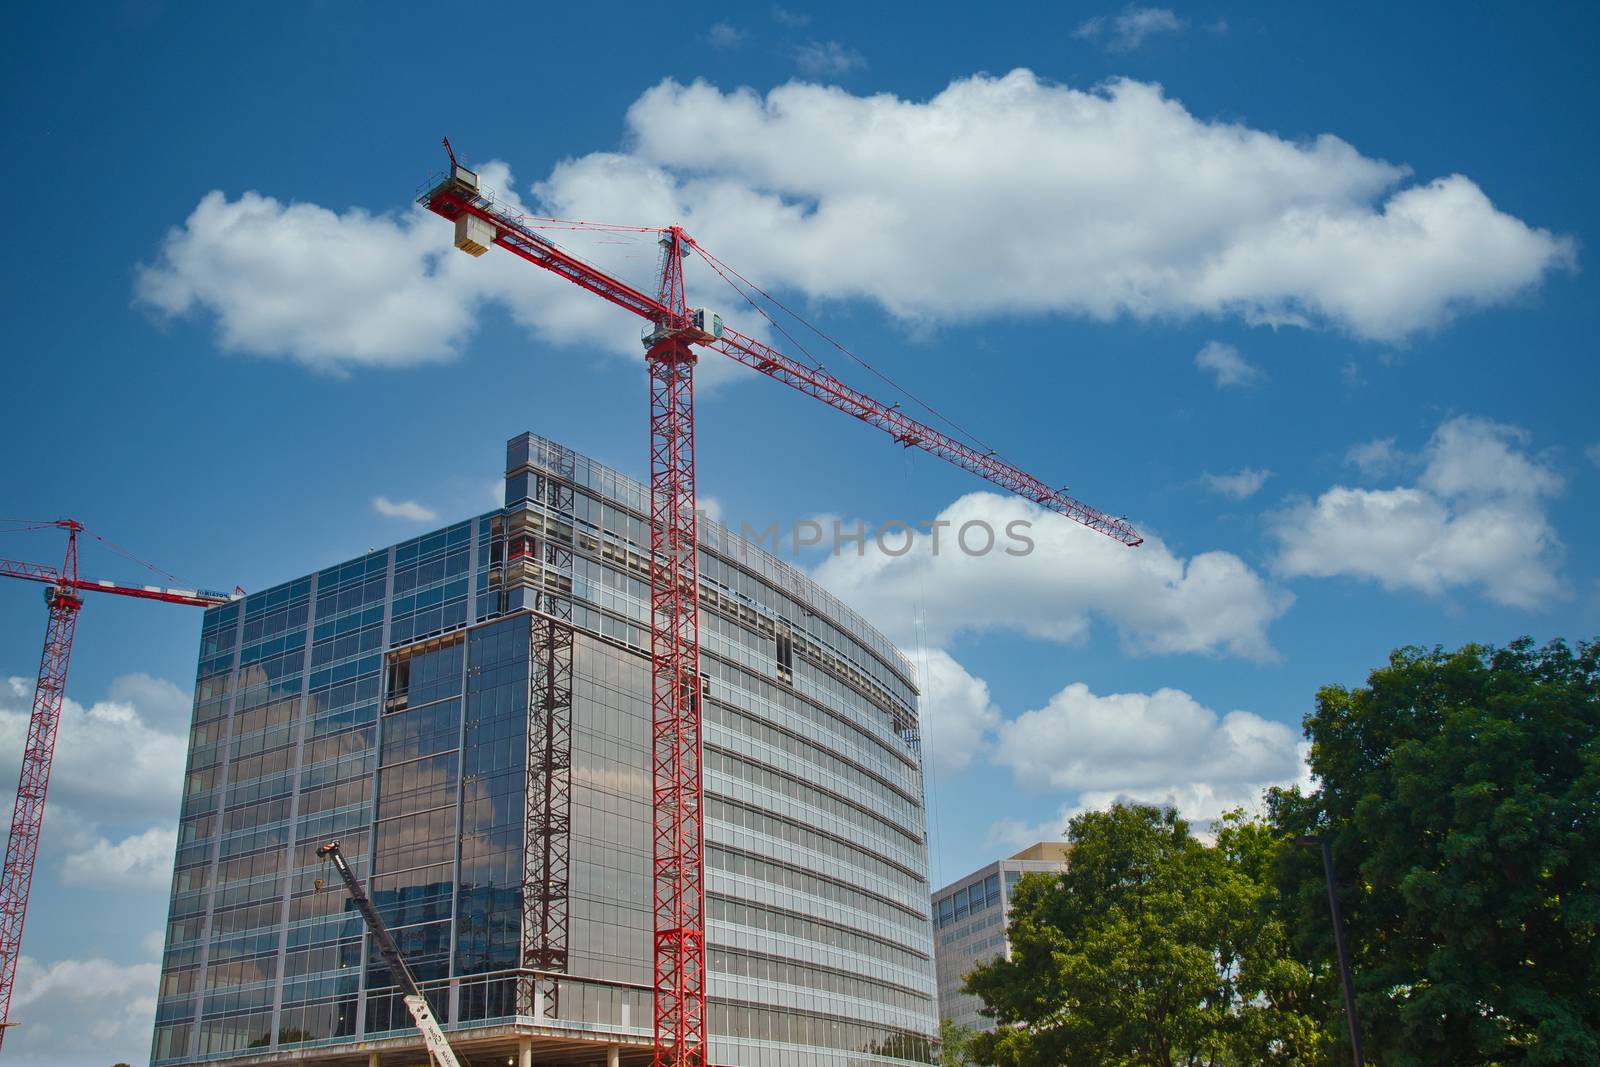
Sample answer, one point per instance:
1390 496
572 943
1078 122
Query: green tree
1461 795
1150 949
955 1043
1279 1022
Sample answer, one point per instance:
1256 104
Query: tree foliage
1461 794
1151 949
955 1044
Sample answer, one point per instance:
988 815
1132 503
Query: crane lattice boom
455 197
38 572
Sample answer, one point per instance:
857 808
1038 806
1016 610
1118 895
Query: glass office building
969 925
468 713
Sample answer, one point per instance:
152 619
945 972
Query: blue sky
1306 294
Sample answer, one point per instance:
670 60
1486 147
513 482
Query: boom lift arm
432 1036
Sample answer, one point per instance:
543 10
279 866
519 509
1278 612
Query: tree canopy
1459 791
955 1043
1151 948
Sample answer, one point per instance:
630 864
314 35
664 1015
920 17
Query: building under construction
469 714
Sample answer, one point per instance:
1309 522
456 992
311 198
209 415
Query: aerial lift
432 1035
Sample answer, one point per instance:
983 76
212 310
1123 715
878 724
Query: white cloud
1161 748
1226 364
1123 204
403 509
725 35
141 862
1158 601
1593 453
82 1012
117 761
337 291
1129 28
332 290
1480 459
1376 458
158 700
1238 485
794 20
710 507
958 716
148 758
1476 517
827 59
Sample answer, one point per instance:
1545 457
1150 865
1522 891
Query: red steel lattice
679 891
27 818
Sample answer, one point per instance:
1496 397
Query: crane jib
451 198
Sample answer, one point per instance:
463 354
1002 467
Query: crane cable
930 774
24 525
142 562
815 363
902 390
550 222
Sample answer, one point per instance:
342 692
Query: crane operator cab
704 325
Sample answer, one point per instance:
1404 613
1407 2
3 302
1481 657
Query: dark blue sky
237 462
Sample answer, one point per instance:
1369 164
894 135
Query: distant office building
969 924
468 713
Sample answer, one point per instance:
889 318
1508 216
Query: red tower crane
61 595
675 331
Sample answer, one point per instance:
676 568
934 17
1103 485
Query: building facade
468 713
969 925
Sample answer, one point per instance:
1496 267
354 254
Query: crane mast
439 1051
62 597
676 330
677 800
27 815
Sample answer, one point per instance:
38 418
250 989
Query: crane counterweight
473 235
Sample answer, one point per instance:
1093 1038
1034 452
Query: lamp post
1308 841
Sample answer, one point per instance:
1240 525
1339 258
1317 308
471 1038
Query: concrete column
614 1056
525 1052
